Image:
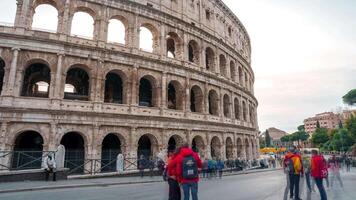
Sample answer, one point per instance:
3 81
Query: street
256 186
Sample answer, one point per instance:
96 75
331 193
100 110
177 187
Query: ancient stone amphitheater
99 98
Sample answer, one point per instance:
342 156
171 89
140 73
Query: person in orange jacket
294 167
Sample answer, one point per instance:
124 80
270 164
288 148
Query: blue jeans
190 188
319 184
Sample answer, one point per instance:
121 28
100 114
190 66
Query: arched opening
116 31
213 103
222 65
36 81
247 149
174 142
111 147
28 149
209 59
215 148
239 147
232 70
229 148
196 99
171 49
45 18
8 10
2 73
244 110
147 39
246 80
198 145
240 76
227 106
174 45
237 108
147 146
77 84
82 25
73 143
175 99
252 118
146 92
113 89
193 52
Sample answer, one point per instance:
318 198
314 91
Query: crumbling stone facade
202 94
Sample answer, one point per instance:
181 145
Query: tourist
220 167
188 165
348 164
174 189
142 164
335 165
306 166
205 168
319 172
50 166
294 166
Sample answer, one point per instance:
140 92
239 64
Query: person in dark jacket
220 166
174 189
142 164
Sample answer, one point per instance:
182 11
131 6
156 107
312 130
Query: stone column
52 135
162 38
221 105
52 85
186 98
132 150
206 98
58 84
232 105
12 74
164 91
64 23
4 161
22 18
208 147
134 86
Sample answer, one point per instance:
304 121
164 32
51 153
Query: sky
303 54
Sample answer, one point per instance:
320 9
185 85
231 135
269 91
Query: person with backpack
49 165
174 189
294 167
318 171
188 165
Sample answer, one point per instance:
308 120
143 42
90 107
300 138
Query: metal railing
21 160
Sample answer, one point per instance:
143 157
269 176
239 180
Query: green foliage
318 124
351 127
262 143
301 128
268 139
320 137
350 97
341 141
286 138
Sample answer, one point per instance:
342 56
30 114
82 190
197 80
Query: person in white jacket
50 166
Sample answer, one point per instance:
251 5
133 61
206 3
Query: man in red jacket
187 165
318 172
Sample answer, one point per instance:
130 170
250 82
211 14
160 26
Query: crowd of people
315 169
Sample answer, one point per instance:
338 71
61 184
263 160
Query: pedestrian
188 165
293 163
335 165
151 166
306 167
50 166
174 189
205 168
220 167
210 168
348 164
318 171
141 165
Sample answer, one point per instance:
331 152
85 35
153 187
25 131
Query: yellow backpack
297 164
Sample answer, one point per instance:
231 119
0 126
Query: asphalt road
258 186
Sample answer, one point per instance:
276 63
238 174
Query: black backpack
190 168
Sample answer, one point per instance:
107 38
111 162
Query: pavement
262 185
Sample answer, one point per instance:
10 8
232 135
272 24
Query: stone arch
174 45
215 146
193 52
174 142
247 149
232 71
237 108
112 145
118 30
148 91
239 146
115 87
150 31
222 65
175 93
45 10
196 99
2 74
37 79
198 145
229 148
77 85
244 111
86 18
240 76
75 146
213 100
209 59
253 149
147 145
227 104
251 116
28 147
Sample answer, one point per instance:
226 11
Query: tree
320 137
262 142
286 138
350 125
341 141
268 139
350 97
301 128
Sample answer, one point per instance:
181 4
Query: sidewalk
97 182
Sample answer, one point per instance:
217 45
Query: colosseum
99 97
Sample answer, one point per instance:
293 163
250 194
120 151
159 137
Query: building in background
275 134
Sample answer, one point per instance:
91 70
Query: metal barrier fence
21 160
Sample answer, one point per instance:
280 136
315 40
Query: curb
114 183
